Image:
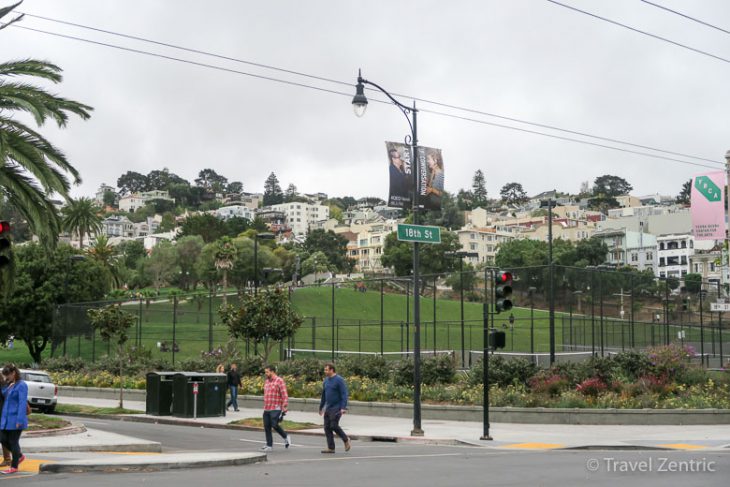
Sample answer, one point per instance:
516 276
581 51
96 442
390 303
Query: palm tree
105 254
225 254
31 168
81 217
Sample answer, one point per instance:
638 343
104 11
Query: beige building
366 248
483 241
563 229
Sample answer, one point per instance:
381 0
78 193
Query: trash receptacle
198 395
159 393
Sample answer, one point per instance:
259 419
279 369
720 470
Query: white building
483 241
300 215
240 211
117 226
134 201
629 248
103 189
676 252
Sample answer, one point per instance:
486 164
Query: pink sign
708 206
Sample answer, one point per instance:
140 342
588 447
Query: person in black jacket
234 382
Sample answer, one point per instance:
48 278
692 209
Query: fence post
633 338
600 291
408 316
210 320
93 345
702 329
666 312
434 322
382 331
593 313
314 333
333 321
139 323
174 326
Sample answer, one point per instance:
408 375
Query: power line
330 80
349 94
684 46
686 16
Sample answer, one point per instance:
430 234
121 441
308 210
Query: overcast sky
526 59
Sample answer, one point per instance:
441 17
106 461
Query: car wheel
49 409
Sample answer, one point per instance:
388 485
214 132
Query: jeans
271 421
234 398
11 440
332 425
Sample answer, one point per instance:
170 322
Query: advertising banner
401 174
708 206
431 172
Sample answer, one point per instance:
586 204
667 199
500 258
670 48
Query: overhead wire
676 12
348 94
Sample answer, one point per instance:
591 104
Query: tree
433 260
110 198
207 226
160 205
683 198
131 251
113 324
43 279
132 182
81 216
449 216
161 265
225 254
163 180
316 263
693 283
265 318
272 191
235 187
188 252
31 168
513 194
479 190
591 251
611 186
105 254
465 200
332 245
291 193
211 181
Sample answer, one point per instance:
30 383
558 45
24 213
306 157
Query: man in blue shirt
332 406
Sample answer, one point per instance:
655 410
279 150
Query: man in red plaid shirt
276 404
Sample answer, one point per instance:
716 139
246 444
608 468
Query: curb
140 463
73 429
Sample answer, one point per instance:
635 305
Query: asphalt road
394 464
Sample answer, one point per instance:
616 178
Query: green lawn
357 327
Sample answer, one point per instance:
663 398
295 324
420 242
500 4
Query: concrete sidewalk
505 435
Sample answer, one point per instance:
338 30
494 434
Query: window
650 256
473 236
684 244
712 267
634 257
684 260
691 244
472 246
661 246
662 274
697 267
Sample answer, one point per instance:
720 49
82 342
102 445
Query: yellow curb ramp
532 446
683 446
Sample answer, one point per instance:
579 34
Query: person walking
14 417
7 457
234 382
332 406
276 404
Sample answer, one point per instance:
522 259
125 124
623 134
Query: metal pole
333 321
600 291
382 330
719 329
417 430
255 265
461 295
666 312
408 318
485 358
434 323
174 326
210 320
552 282
593 313
633 339
702 329
139 323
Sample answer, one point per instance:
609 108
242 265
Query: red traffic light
4 227
504 277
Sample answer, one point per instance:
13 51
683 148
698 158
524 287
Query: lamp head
360 101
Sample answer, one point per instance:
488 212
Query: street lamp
461 254
359 104
263 236
550 204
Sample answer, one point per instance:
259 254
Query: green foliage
112 323
398 255
273 195
81 216
132 182
693 283
308 369
333 246
503 372
440 369
371 366
207 226
265 318
513 194
161 266
479 190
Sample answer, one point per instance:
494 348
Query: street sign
195 388
419 233
719 306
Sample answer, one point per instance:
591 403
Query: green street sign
419 233
707 188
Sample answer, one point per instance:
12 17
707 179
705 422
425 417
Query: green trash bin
207 402
159 393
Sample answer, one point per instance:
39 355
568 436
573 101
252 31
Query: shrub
591 387
371 366
440 369
250 366
671 360
403 371
307 369
548 383
60 364
632 364
503 372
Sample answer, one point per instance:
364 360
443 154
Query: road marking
533 446
684 446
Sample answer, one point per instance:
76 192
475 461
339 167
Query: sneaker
328 450
6 462
21 459
287 441
235 410
9 470
266 449
348 445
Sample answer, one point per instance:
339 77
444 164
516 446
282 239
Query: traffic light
502 291
4 244
497 339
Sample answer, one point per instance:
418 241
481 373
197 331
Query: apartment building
240 211
680 254
299 215
483 241
366 247
134 201
629 248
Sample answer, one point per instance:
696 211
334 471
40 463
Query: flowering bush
547 383
591 387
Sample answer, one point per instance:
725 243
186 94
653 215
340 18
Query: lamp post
461 254
550 203
360 103
264 236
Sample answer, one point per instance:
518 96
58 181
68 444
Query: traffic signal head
497 339
502 291
4 243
